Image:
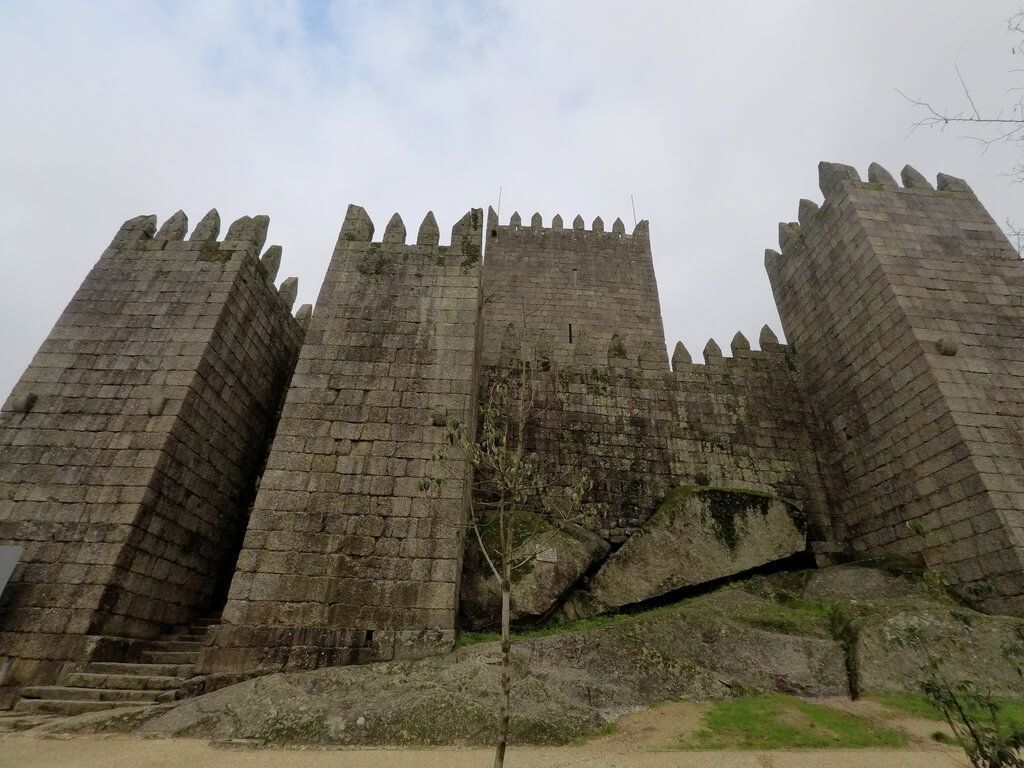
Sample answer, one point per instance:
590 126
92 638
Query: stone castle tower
906 306
182 447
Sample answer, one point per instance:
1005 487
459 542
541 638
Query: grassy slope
1010 711
783 722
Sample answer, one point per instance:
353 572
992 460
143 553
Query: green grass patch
783 612
795 616
1011 711
784 722
472 638
908 703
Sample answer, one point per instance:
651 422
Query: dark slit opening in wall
570 333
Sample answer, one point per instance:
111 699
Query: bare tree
1001 124
989 125
973 713
512 483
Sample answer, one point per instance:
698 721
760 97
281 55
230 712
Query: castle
183 447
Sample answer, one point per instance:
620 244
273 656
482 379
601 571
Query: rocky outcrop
565 685
985 650
763 635
858 582
698 535
560 556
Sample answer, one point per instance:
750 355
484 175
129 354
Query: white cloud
714 116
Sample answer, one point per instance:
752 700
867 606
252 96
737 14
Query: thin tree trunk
506 664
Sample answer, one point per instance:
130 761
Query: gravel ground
26 751
641 740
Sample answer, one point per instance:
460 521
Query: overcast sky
713 115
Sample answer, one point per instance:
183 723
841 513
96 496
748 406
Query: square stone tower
559 287
346 559
129 449
905 305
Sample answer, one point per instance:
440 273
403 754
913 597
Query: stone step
170 657
68 693
125 682
195 637
167 644
19 721
148 669
70 707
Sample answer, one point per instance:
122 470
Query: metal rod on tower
634 209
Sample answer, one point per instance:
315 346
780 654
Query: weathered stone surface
909 273
696 536
131 445
712 350
759 637
971 646
562 556
857 582
289 290
428 233
680 356
175 228
271 261
549 278
346 559
566 685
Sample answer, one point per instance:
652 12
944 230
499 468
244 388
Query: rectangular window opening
570 328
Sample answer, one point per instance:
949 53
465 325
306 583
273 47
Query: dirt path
27 751
641 740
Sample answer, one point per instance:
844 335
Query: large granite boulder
697 535
858 582
984 650
560 558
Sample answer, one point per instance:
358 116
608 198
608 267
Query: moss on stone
211 252
598 381
616 348
281 728
726 505
470 253
376 261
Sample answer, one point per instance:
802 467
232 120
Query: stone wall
641 430
904 304
130 447
744 421
570 287
345 558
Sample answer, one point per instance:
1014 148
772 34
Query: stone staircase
163 667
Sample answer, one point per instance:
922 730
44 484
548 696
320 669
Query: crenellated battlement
648 361
557 226
246 235
149 409
358 228
741 351
840 182
642 429
563 286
